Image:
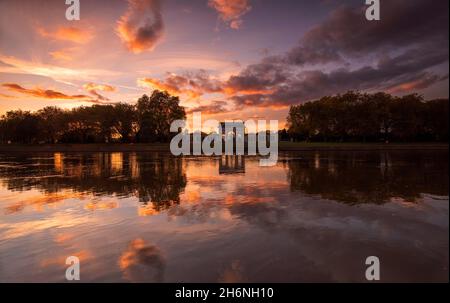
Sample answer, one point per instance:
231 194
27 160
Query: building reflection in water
116 162
232 164
59 162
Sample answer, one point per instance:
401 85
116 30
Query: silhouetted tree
355 116
52 120
125 120
155 114
352 116
21 127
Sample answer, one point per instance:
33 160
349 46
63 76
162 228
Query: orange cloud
65 54
101 87
214 107
231 91
7 96
136 30
57 73
68 33
61 55
191 84
423 82
41 93
92 89
174 85
231 11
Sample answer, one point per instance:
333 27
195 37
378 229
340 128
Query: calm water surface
150 217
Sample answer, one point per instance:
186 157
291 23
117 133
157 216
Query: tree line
350 117
363 117
147 121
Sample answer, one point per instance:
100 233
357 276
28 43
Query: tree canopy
376 117
147 121
349 117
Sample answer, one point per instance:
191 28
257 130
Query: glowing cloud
102 87
67 33
41 93
174 85
61 55
142 26
231 11
92 88
191 84
196 84
57 73
7 96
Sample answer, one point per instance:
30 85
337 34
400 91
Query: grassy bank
301 146
283 146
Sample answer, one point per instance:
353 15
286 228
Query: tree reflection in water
370 177
158 179
155 179
284 217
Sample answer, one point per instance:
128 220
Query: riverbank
305 146
158 147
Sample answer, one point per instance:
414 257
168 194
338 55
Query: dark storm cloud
347 33
258 77
410 39
215 107
401 73
203 82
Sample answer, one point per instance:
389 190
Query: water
149 217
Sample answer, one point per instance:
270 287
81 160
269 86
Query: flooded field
151 217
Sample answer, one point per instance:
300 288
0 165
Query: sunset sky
230 59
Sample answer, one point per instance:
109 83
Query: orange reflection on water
192 196
296 210
142 262
41 201
100 205
63 238
233 273
116 162
82 255
58 159
134 167
147 210
55 221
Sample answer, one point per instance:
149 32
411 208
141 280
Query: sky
229 59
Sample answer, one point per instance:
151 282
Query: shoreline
283 147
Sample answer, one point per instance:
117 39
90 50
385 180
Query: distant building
234 126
